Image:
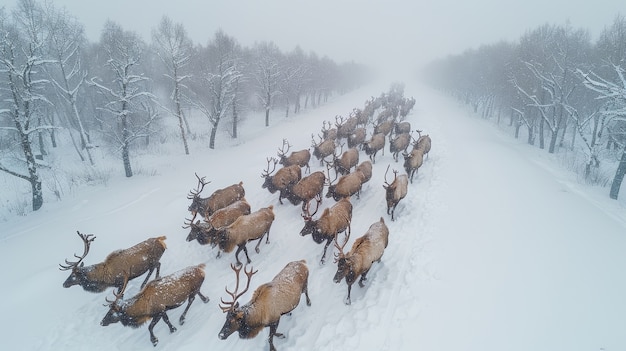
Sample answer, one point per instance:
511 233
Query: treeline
556 87
56 86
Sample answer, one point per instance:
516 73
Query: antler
339 248
201 183
188 223
282 152
120 292
87 239
267 172
234 294
307 215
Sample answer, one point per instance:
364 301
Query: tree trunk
553 138
619 176
267 116
125 148
235 118
542 142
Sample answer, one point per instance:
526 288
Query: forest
121 94
562 91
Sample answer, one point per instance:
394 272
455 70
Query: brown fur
300 158
268 303
334 220
205 232
307 188
399 144
324 149
395 192
244 229
157 297
423 143
365 168
218 199
376 143
346 186
346 128
413 161
366 250
131 262
402 127
384 127
357 138
283 180
349 159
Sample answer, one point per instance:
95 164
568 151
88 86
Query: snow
493 248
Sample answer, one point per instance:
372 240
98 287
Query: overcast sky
388 33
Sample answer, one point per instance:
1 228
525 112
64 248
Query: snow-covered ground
493 249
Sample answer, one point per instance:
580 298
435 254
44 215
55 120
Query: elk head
116 312
194 196
267 173
234 314
309 223
77 276
282 152
344 264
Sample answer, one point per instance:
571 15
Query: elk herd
228 222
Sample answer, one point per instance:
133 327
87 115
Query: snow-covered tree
267 75
174 48
128 105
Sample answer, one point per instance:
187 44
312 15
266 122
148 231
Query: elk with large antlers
307 189
268 303
345 127
323 149
395 191
219 199
334 220
282 181
328 132
205 232
246 228
300 158
155 299
366 250
132 263
423 142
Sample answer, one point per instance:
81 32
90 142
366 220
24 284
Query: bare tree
267 75
174 50
127 102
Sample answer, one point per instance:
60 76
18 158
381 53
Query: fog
393 35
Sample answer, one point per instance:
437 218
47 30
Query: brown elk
246 228
282 181
366 250
347 185
307 189
348 160
365 168
205 232
323 149
345 127
413 161
334 220
269 302
219 199
131 263
357 138
395 191
300 158
399 144
376 143
155 299
402 127
423 142
385 126
329 133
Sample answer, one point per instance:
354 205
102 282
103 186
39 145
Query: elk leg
348 301
305 290
273 327
182 316
325 247
154 321
245 250
363 278
256 248
147 277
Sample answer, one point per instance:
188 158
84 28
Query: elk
131 263
395 191
300 158
366 250
219 199
307 189
348 159
282 181
345 128
423 142
346 186
155 299
205 232
384 127
246 228
329 133
402 127
269 302
357 138
323 149
376 143
334 220
413 161
365 168
399 144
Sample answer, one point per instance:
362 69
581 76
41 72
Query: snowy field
493 249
